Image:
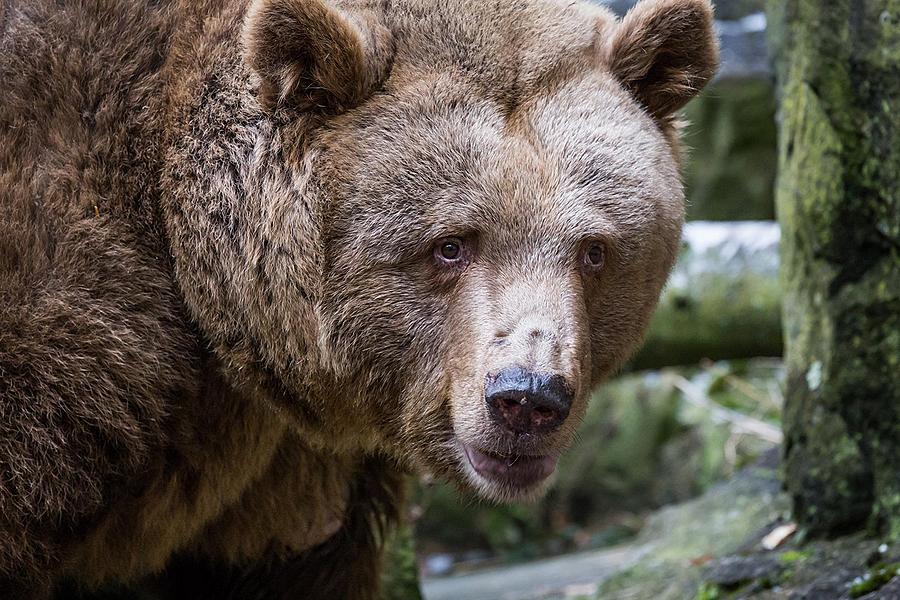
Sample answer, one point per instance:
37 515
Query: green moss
709 591
792 556
874 580
718 523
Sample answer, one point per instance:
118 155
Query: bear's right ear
664 52
314 56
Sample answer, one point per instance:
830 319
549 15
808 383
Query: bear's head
500 206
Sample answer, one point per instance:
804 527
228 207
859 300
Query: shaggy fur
224 326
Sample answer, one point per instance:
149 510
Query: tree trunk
838 200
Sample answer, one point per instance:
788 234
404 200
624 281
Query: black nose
527 402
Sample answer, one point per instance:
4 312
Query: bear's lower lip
516 471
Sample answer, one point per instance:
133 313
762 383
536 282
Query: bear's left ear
664 52
313 55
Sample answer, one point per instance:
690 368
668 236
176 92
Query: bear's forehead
440 150
508 48
437 135
433 157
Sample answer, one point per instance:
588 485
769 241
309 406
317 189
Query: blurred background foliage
731 137
649 439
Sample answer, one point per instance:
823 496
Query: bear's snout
524 401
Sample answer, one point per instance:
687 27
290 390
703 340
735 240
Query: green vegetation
792 556
712 547
400 578
874 580
731 138
708 591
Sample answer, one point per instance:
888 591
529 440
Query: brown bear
259 259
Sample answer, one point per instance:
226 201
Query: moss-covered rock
680 540
711 549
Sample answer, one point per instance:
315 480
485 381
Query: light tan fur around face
223 325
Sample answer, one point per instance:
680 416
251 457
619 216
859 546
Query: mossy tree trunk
838 200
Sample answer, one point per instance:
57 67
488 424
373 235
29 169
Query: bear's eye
595 255
449 250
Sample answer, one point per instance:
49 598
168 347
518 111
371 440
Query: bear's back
79 111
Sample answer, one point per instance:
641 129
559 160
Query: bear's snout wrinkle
527 402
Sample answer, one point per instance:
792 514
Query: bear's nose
527 402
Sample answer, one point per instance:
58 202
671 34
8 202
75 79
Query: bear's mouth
513 471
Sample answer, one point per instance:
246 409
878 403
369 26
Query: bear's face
501 214
468 247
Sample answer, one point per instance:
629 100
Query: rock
734 571
833 584
695 551
680 539
891 591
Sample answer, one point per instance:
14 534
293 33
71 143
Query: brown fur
223 329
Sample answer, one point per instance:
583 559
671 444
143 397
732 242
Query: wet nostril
510 409
513 403
544 417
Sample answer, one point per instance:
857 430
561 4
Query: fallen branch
740 422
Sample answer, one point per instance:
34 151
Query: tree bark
838 200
